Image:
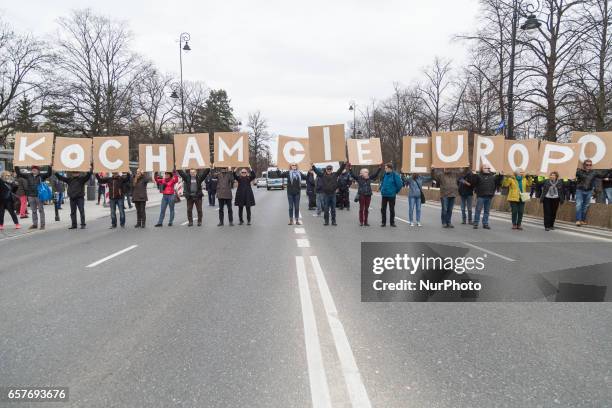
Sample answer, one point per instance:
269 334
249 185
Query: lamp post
353 107
183 38
531 23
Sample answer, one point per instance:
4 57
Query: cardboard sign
192 150
488 150
521 154
596 146
111 154
560 157
72 154
364 152
231 149
416 154
292 150
326 143
156 157
450 149
33 149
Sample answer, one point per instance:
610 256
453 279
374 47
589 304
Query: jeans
583 200
550 206
518 208
312 200
128 197
37 207
483 203
447 209
466 204
383 210
77 203
8 206
414 204
364 208
225 202
198 205
294 205
114 204
608 194
320 203
167 201
59 200
141 214
329 205
211 198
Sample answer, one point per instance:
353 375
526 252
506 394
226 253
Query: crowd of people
328 190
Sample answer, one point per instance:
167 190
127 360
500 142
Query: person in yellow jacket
518 193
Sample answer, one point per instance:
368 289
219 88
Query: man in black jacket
485 184
192 189
466 193
344 184
585 184
76 192
211 186
329 185
33 180
311 185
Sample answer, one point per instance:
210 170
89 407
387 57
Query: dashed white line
303 243
300 230
356 389
488 251
319 390
111 256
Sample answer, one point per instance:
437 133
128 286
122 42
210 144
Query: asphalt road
270 315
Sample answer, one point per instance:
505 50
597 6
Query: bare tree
195 94
153 104
258 141
433 93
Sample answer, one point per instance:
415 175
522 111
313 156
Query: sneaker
290 222
419 224
17 226
578 223
334 223
298 222
412 224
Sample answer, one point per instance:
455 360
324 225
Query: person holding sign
585 184
311 184
225 182
244 193
115 196
76 193
518 187
364 192
552 195
390 184
485 185
416 198
447 181
328 180
192 187
140 197
166 184
294 190
7 189
33 181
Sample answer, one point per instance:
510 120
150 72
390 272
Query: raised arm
339 171
203 174
62 178
253 176
317 171
375 175
183 175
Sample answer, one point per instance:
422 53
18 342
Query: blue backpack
44 192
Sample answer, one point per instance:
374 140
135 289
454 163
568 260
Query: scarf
553 191
294 175
519 181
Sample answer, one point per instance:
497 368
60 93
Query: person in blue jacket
390 184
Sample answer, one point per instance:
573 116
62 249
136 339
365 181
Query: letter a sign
231 149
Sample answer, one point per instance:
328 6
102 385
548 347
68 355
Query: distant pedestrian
33 180
192 190
329 185
245 199
140 197
416 197
76 192
166 184
390 184
115 196
485 184
446 179
211 188
8 187
552 196
294 191
311 185
518 187
364 192
225 183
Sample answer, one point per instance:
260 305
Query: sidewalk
92 212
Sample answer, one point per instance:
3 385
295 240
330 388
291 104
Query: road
270 315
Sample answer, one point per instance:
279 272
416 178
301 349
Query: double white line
319 388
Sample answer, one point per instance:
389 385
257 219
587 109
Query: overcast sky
298 62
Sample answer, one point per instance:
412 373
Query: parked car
261 182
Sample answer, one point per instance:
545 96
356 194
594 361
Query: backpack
44 192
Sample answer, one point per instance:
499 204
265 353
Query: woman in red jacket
166 185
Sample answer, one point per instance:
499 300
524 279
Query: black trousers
551 205
226 202
7 205
198 205
141 213
344 199
211 197
312 200
383 211
77 202
248 211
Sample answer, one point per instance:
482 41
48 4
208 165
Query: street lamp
353 107
531 23
183 46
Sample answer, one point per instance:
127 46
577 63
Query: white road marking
319 390
185 223
488 251
356 390
303 243
300 230
111 256
401 219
